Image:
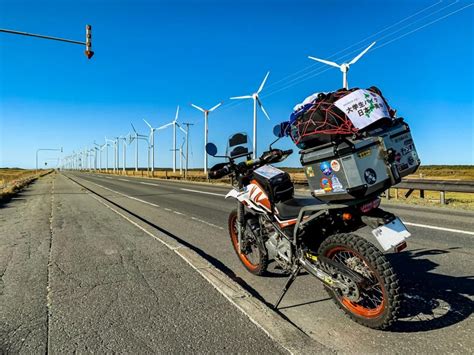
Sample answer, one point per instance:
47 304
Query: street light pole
43 149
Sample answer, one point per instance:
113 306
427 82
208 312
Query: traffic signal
88 51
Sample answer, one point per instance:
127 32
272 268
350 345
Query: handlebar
220 173
268 157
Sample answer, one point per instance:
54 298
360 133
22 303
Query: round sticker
325 168
335 166
326 184
370 176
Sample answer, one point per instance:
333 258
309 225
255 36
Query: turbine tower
206 115
151 145
136 136
344 67
173 123
256 100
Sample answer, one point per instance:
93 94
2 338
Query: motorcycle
270 224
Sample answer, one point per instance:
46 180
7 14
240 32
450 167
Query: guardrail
423 185
442 186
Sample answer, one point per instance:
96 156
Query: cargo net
322 118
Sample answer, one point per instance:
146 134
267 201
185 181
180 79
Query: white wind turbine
136 136
344 67
206 115
256 100
173 123
151 145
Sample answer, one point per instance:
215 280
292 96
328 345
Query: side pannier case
359 168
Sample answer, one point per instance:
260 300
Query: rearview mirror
211 149
280 129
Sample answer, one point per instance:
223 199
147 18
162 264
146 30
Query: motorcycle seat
290 209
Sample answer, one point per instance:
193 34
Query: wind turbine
206 114
136 137
256 100
173 123
151 144
124 152
107 153
344 67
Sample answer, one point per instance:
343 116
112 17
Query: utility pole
88 43
187 147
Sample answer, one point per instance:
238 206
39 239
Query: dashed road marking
148 183
155 205
204 192
123 179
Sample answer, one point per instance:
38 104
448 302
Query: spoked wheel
252 258
376 304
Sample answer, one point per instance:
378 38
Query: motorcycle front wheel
378 304
252 257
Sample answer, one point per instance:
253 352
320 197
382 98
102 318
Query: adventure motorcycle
271 224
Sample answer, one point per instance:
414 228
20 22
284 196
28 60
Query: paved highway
436 270
77 278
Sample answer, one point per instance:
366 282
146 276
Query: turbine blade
182 129
166 125
212 109
325 62
263 83
361 54
241 97
177 114
262 108
133 127
199 108
149 125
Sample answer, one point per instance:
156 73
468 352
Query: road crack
50 262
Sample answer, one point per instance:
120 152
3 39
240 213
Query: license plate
391 234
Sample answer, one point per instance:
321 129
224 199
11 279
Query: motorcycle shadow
430 300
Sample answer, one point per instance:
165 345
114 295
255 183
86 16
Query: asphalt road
75 277
436 270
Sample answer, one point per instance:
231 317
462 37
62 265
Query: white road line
148 183
123 179
438 228
204 192
108 178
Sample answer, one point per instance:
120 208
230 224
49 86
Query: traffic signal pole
88 43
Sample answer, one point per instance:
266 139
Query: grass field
13 179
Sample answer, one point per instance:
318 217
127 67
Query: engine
278 247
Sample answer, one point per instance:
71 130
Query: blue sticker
336 184
326 168
370 176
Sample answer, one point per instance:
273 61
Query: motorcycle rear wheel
254 260
378 306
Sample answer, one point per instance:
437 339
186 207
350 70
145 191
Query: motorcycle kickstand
288 283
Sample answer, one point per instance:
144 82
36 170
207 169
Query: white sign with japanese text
363 107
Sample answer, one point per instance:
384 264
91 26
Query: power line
234 104
380 46
304 77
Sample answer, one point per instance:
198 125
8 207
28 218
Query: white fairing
245 197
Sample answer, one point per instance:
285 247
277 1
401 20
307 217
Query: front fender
233 193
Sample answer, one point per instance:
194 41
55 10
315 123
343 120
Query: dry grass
13 180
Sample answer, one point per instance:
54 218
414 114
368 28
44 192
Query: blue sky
154 55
